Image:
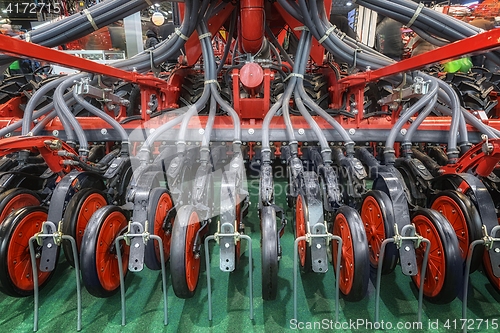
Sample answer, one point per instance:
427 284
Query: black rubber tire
391 254
178 255
7 196
307 266
90 245
71 217
360 273
10 229
473 225
269 253
151 258
453 272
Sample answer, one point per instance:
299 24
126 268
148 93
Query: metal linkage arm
476 44
21 48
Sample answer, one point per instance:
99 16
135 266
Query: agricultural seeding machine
387 162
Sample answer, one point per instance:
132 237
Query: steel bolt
352 131
201 131
318 246
226 245
301 131
8 135
251 131
104 131
55 132
497 249
403 131
407 248
151 130
136 245
49 245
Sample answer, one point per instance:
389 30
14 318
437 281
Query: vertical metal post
122 279
209 282
133 34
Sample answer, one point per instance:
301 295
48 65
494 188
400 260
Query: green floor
231 302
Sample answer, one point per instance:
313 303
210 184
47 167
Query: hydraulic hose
418 121
103 115
403 118
67 118
33 102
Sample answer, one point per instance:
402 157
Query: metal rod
163 278
122 279
422 275
209 282
78 283
35 282
250 272
337 275
35 279
466 277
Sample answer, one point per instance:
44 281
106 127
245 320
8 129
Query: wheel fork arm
482 159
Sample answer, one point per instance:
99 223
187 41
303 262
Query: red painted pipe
252 25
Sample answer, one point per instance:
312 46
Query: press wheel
378 218
465 220
98 254
160 203
355 257
16 275
184 263
301 217
16 198
77 215
269 253
443 277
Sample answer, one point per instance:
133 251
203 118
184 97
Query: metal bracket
209 280
418 88
136 237
56 238
105 95
319 244
227 239
400 241
49 245
132 238
308 238
406 244
491 243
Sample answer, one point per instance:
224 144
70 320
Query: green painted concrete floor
231 302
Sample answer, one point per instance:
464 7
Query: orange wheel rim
91 204
341 228
451 210
162 208
300 229
106 258
373 220
436 266
192 262
18 253
18 201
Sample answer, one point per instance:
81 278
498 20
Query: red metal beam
21 48
480 43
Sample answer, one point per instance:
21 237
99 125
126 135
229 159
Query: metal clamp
132 240
217 237
309 238
492 245
411 241
43 238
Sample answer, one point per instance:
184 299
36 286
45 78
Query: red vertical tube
252 25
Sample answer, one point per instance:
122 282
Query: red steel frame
353 84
